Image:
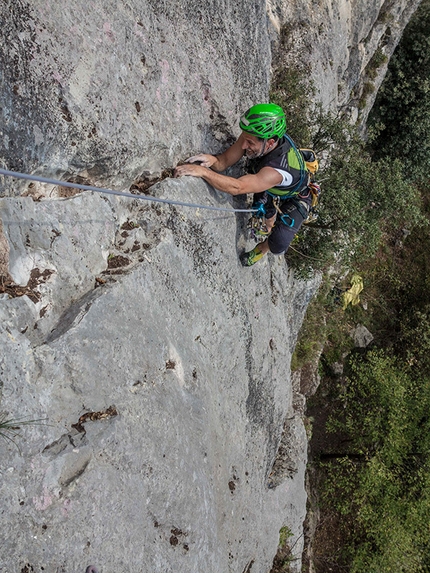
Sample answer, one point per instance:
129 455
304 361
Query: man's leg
250 258
279 239
285 229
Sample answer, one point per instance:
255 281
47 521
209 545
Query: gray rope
18 175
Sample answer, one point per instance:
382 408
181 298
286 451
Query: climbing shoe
250 258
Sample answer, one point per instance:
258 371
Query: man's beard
256 154
252 154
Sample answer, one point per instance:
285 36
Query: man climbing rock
276 175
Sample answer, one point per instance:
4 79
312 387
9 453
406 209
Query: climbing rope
18 175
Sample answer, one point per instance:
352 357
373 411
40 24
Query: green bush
383 475
361 197
362 200
374 218
401 115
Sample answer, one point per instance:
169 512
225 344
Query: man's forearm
221 163
222 182
265 179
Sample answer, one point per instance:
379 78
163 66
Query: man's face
252 146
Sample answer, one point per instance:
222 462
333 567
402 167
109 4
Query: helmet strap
263 151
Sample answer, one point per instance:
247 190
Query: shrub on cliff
381 478
401 115
363 198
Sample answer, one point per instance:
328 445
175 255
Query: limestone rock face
169 434
348 44
362 336
160 371
115 90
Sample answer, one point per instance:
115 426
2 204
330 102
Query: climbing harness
301 206
284 217
257 223
27 176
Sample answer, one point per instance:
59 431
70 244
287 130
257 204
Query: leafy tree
401 115
362 198
374 217
382 478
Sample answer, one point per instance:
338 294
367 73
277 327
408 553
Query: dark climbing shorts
283 232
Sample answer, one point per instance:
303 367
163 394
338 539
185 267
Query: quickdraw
315 191
285 217
257 223
258 228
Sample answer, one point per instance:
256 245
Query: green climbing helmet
264 120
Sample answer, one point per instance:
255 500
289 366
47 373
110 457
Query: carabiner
284 220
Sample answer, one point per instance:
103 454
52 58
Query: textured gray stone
172 438
193 352
112 91
339 39
362 336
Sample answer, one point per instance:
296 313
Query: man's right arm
219 162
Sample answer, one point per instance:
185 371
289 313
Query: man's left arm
263 180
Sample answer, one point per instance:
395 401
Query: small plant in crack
10 427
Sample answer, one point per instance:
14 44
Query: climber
276 175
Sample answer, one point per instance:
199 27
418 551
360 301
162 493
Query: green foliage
284 534
401 116
378 59
374 218
312 334
283 557
332 135
400 296
325 326
361 201
292 89
361 196
376 459
415 331
383 477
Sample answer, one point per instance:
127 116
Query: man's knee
278 253
280 240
